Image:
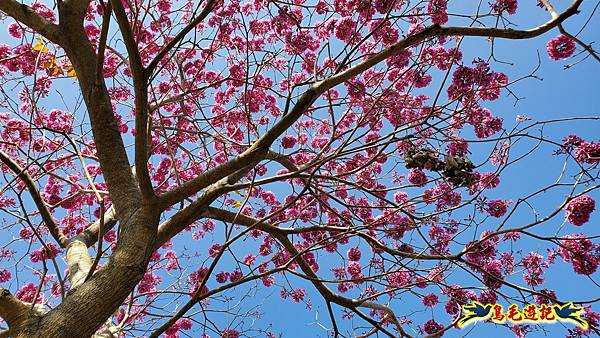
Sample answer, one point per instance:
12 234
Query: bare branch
181 96
327 294
16 313
99 248
122 185
562 30
55 231
141 100
192 212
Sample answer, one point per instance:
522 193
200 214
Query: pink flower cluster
588 152
27 293
443 195
438 11
289 141
578 250
578 210
561 47
354 269
585 152
497 208
230 334
6 201
345 29
478 253
468 81
5 275
234 276
492 273
399 278
548 297
431 327
417 177
149 282
487 297
296 295
430 300
442 237
440 57
48 251
572 141
457 297
510 6
172 261
354 254
182 324
534 265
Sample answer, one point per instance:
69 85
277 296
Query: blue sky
558 93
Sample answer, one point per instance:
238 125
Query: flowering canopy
342 153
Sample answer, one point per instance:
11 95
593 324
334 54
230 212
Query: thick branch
437 31
11 309
25 15
93 302
55 231
248 159
186 216
79 262
122 185
141 100
258 150
17 313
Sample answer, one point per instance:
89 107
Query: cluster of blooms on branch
341 154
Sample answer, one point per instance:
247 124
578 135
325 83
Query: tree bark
91 303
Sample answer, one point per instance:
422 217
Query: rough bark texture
90 304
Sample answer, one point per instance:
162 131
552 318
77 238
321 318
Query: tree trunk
88 306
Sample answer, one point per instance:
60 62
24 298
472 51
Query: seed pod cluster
456 170
422 159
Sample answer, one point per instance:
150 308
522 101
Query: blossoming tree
163 161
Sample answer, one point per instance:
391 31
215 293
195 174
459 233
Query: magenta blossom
561 47
579 209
